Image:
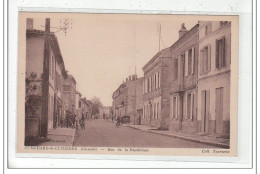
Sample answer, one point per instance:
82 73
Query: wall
215 78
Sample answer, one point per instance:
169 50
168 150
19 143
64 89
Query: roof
72 78
163 53
55 46
193 30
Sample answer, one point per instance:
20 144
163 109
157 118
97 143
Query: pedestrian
118 121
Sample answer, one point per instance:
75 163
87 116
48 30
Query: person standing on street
118 121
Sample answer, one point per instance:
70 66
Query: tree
96 103
32 95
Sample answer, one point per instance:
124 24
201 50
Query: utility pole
45 81
159 37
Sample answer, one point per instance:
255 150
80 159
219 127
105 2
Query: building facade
128 99
69 94
156 88
214 77
56 76
183 95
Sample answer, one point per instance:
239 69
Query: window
220 53
175 70
205 60
174 107
79 104
189 106
208 29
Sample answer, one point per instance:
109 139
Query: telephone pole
45 81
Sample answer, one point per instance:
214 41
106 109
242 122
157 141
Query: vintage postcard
127 84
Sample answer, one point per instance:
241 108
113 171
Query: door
219 110
205 98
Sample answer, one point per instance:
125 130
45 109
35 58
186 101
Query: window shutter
176 106
192 61
208 103
171 108
186 63
143 87
217 53
201 61
224 52
186 108
159 78
209 58
155 81
191 106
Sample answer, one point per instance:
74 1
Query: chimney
29 23
183 30
129 78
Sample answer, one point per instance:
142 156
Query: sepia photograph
127 83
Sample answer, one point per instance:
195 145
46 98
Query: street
103 133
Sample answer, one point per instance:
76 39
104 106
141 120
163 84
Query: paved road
103 133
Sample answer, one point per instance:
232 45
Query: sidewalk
60 137
200 138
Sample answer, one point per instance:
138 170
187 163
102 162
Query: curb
184 138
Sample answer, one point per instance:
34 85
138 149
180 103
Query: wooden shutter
192 60
224 51
143 87
217 53
191 106
176 107
209 58
159 80
186 63
201 61
186 108
207 105
171 107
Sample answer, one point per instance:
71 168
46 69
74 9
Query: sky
102 50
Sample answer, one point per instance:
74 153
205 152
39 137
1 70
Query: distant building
156 88
128 99
69 94
57 75
214 77
87 108
104 111
183 101
78 104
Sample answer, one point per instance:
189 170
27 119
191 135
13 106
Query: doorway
205 103
219 110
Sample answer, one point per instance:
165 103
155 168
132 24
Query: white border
235 7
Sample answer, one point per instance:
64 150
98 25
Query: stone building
54 106
69 94
156 88
183 100
128 99
214 77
